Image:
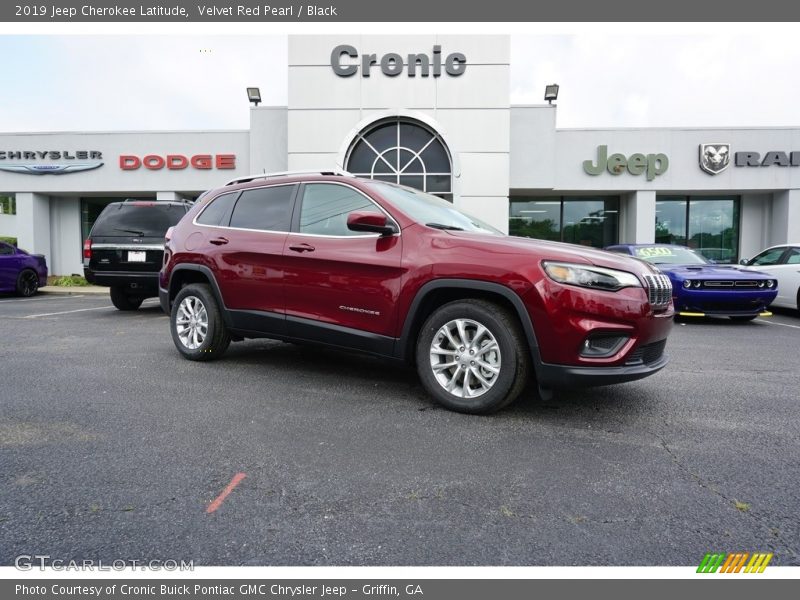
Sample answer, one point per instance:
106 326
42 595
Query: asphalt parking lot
113 447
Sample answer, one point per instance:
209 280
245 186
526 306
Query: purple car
701 287
20 272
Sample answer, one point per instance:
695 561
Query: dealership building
432 112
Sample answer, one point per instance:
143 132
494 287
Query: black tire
27 283
216 339
514 360
798 300
747 318
123 300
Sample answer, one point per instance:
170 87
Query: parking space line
54 297
217 502
66 312
774 323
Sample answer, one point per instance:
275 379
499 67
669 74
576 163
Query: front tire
27 283
123 301
196 324
472 356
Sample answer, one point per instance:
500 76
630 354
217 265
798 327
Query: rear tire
27 283
124 301
196 324
472 356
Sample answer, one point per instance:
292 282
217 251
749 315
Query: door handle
303 247
220 241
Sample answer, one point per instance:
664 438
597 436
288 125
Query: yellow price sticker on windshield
653 251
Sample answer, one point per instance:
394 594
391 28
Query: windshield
669 255
430 210
145 219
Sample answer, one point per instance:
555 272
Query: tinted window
150 219
326 206
768 257
5 249
269 209
214 212
794 257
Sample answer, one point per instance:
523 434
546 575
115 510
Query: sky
125 82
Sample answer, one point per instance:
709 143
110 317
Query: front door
340 284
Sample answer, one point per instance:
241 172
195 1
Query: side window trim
295 229
225 217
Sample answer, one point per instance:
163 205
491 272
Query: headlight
687 283
770 283
696 284
589 276
761 284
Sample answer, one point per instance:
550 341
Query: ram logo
715 158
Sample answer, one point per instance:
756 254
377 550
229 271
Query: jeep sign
636 164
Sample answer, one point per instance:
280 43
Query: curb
73 291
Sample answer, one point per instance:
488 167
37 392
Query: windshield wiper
444 227
135 231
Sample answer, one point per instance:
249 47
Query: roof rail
246 178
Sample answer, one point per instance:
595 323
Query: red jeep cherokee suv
392 271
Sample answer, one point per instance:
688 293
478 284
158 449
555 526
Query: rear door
341 286
246 250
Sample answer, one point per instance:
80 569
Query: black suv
125 248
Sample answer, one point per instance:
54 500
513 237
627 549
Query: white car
783 263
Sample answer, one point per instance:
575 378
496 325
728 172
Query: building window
8 205
708 224
403 151
589 221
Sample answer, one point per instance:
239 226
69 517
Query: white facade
497 151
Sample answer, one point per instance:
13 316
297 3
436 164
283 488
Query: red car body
372 293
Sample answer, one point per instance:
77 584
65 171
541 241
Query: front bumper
722 304
571 376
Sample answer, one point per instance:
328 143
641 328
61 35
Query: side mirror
744 262
371 222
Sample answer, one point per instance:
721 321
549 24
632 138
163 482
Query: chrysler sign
70 161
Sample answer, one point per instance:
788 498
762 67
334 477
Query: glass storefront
707 224
585 220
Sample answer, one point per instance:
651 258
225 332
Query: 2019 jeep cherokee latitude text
388 270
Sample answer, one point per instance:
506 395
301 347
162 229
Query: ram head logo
715 158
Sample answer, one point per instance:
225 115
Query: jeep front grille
659 290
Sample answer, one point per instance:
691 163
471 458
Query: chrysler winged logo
49 169
715 158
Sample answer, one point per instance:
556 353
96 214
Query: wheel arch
185 274
434 294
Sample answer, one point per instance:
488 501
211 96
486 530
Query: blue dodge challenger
702 288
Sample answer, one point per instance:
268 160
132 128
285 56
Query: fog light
687 283
602 345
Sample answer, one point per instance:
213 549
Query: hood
559 251
713 272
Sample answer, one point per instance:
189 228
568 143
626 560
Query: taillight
87 249
168 235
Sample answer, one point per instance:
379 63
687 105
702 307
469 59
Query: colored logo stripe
733 562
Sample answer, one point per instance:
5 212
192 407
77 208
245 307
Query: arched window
403 151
